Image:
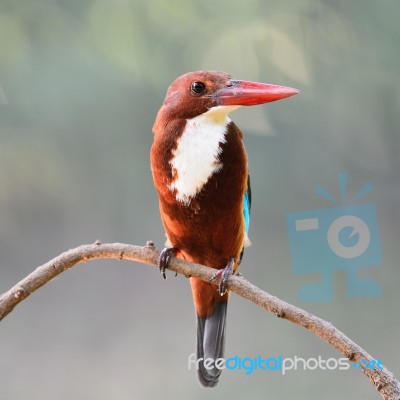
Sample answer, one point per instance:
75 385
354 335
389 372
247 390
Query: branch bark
383 380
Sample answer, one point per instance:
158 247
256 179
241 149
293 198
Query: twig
383 380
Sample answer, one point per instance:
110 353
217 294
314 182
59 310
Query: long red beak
244 93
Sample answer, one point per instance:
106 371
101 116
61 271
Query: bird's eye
198 87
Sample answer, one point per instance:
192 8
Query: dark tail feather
211 343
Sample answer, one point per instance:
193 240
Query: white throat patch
196 157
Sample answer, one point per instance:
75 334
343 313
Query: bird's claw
223 275
165 256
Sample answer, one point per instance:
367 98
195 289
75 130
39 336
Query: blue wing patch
246 215
246 211
247 205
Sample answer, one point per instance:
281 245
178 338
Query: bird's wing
246 214
247 205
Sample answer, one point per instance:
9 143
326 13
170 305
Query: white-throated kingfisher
199 167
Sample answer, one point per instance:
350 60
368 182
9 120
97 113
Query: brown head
195 93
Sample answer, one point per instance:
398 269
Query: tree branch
383 380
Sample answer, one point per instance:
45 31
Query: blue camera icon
337 238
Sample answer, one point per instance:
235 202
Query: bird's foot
223 275
165 256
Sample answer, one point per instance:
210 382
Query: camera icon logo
336 238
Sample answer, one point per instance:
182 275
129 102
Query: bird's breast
201 192
196 157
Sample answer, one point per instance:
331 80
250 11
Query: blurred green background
80 85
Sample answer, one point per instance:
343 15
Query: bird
200 172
